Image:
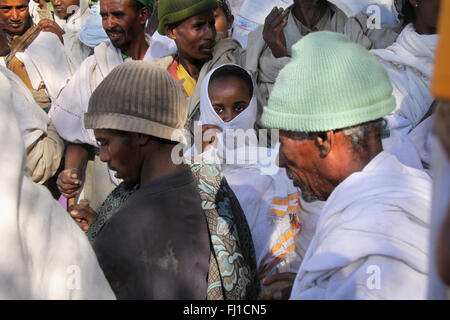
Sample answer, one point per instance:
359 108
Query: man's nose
15 14
104 155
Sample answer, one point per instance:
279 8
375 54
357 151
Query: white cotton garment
409 63
46 61
44 253
268 198
33 121
414 148
372 237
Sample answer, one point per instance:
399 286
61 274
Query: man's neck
157 163
137 49
309 12
193 67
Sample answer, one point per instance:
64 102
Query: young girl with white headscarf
267 196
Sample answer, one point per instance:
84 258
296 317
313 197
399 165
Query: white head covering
258 183
245 120
232 149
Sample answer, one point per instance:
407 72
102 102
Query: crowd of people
148 155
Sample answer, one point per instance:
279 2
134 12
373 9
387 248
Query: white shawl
33 121
409 62
68 110
44 253
268 198
46 61
375 223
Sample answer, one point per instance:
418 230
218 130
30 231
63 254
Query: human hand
48 25
273 34
83 214
277 286
68 183
208 134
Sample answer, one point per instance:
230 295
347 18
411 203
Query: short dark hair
229 71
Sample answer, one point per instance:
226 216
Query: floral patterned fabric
232 273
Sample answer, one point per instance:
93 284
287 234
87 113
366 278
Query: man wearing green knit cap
190 23
370 239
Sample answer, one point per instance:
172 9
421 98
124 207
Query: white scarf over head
409 62
268 198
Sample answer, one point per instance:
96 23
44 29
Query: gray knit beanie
140 97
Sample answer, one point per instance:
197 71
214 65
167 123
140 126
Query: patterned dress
232 272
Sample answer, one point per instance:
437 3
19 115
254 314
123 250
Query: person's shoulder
163 62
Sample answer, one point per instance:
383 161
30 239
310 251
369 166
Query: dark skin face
317 166
135 157
121 151
427 15
195 39
15 15
124 25
62 7
229 97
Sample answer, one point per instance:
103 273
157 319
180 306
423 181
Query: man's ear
324 143
144 15
170 32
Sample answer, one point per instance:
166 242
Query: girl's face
229 97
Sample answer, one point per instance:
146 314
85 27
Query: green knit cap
172 11
330 83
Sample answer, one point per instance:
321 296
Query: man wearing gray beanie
124 22
167 240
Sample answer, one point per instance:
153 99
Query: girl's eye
218 110
239 108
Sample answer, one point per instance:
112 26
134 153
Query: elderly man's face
121 21
299 157
195 36
16 16
121 152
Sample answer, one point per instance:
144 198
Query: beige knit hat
139 97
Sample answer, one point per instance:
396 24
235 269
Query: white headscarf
259 184
245 151
245 120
